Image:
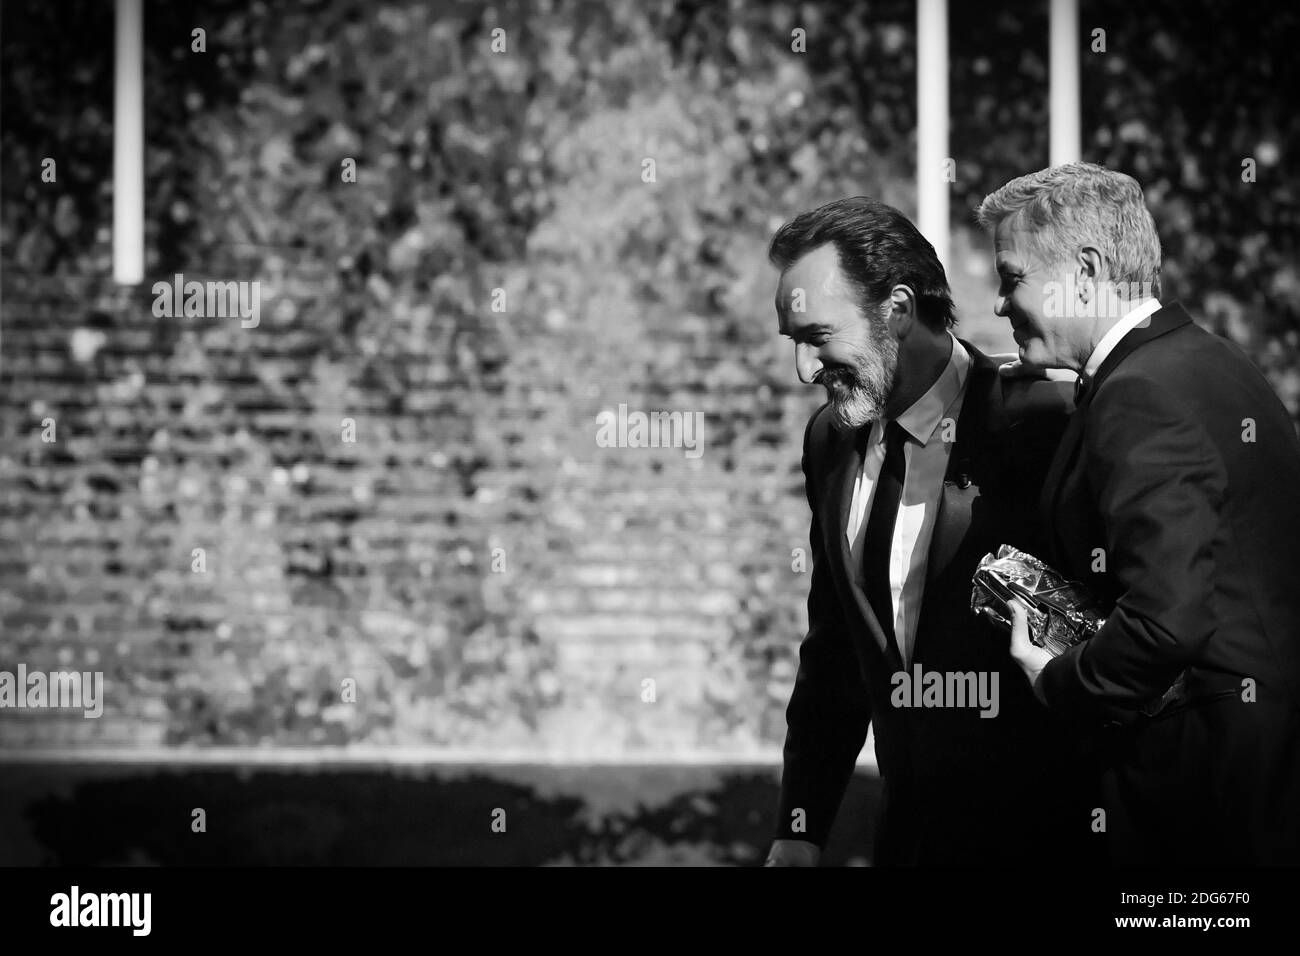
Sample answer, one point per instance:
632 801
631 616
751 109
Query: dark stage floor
80 815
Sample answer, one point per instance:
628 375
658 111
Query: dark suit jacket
1176 495
959 788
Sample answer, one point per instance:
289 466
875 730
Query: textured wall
375 559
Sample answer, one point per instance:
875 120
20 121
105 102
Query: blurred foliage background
486 574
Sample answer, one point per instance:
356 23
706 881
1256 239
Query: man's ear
1091 261
1088 271
902 309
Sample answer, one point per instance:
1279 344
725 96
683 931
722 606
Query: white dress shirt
1132 319
926 456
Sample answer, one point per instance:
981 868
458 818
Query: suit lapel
981 410
1162 321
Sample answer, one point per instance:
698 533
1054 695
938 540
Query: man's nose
1000 306
806 362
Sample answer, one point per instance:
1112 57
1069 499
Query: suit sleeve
829 711
1160 485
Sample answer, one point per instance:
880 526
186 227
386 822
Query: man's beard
858 392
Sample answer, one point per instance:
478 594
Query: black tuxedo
959 788
1176 495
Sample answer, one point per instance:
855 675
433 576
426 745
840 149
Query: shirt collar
923 415
1132 319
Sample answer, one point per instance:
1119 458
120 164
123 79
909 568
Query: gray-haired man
1174 495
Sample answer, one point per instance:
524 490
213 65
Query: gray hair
1066 206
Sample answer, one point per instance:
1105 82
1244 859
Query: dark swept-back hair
878 248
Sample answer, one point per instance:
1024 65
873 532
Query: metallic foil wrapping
1061 613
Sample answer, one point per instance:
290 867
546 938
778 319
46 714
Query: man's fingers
1018 369
1019 620
1019 627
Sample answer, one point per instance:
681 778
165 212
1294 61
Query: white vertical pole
932 123
128 145
1063 100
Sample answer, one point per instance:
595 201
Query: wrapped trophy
1061 613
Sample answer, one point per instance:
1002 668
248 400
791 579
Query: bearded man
926 457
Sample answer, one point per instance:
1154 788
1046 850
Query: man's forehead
1004 244
817 272
811 292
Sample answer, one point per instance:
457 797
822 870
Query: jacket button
963 481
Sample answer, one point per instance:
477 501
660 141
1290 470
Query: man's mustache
836 377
